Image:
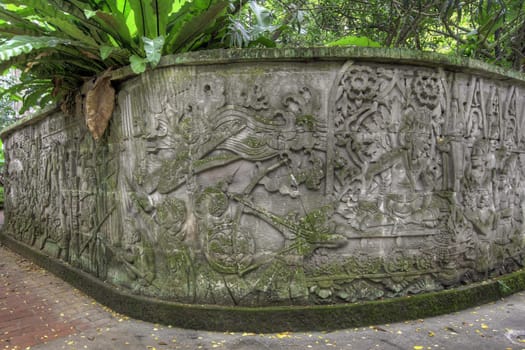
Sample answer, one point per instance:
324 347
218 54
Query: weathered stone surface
260 183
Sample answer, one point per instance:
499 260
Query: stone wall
282 181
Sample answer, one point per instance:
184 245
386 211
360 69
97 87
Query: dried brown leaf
99 105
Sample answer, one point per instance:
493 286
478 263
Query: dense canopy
58 44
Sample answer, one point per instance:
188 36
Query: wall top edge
313 54
307 54
29 120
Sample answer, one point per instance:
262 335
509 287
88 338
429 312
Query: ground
40 311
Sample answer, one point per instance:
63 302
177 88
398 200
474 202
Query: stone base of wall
276 319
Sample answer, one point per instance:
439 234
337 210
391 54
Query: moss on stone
274 319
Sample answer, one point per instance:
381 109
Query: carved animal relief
324 182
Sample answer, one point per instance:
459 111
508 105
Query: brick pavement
36 307
41 312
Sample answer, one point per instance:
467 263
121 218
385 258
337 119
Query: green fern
58 43
23 44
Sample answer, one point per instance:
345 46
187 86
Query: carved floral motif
329 184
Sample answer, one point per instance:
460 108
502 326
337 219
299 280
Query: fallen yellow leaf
283 335
484 326
431 334
418 347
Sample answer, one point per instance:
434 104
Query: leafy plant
60 44
2 170
490 30
254 26
7 104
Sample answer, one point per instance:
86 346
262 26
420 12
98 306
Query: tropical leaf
146 17
115 25
34 97
8 30
263 16
163 10
18 21
40 9
238 35
33 93
138 64
253 34
190 30
58 43
22 44
106 51
74 8
115 6
264 41
67 19
153 49
69 29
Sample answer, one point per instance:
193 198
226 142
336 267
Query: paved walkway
36 307
40 311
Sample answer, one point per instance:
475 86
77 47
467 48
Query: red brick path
37 307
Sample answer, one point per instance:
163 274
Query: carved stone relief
281 183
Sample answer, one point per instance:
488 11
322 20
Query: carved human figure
170 216
136 258
478 197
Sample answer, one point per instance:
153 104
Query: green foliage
490 30
352 40
2 159
2 163
8 101
23 44
58 44
254 25
153 50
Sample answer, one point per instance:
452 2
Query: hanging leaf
99 105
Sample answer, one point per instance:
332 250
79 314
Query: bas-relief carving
242 185
56 199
